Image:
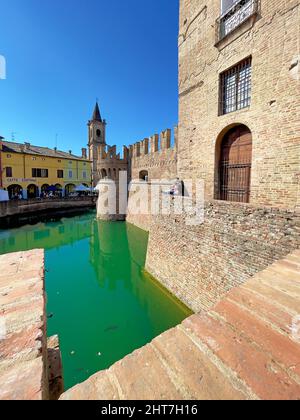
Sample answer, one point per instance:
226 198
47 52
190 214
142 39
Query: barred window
235 89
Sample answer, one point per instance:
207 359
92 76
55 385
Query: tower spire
96 114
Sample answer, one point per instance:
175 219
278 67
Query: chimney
27 145
84 153
70 152
55 149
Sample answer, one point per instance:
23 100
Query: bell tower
97 138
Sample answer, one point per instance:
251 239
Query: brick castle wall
274 114
200 264
156 155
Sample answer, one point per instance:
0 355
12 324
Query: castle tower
97 138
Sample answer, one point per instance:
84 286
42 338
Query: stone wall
274 114
20 207
200 264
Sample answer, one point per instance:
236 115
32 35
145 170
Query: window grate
235 87
235 16
235 181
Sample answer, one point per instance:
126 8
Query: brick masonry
156 156
23 343
272 40
200 264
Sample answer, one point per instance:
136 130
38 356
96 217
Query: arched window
144 176
235 162
103 174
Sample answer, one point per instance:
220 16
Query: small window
40 173
44 173
8 156
84 175
60 173
9 172
235 87
34 158
70 174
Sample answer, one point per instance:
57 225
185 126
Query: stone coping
23 341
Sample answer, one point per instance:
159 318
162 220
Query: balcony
240 12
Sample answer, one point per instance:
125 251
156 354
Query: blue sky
62 55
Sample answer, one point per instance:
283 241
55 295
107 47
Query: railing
240 12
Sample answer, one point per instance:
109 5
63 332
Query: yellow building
31 170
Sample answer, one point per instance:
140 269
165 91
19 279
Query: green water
100 301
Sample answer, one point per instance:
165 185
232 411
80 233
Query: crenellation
145 147
137 149
176 137
125 153
165 139
154 143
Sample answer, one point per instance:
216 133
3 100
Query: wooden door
235 165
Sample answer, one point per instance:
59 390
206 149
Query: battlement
154 144
109 154
155 156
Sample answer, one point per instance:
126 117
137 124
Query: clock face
98 132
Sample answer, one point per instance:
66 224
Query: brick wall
274 115
23 340
200 264
156 155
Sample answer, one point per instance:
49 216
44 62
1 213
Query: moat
101 302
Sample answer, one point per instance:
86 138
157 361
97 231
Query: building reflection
118 253
46 236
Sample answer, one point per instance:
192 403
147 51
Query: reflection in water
102 303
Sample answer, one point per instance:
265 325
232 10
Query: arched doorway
144 176
69 189
14 191
32 191
44 188
59 190
235 163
